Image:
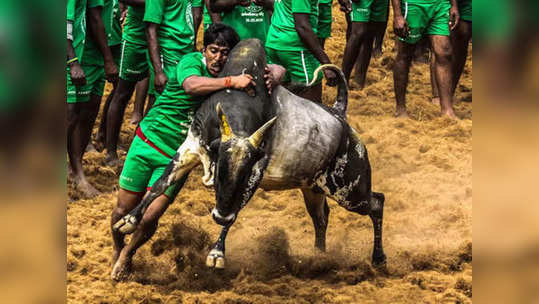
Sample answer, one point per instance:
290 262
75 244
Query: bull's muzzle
223 220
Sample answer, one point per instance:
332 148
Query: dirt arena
422 164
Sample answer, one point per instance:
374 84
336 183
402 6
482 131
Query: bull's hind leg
318 209
374 208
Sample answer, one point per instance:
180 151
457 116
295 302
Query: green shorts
300 65
324 20
134 61
143 166
369 10
426 19
95 84
465 9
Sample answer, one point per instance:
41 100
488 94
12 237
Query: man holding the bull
164 129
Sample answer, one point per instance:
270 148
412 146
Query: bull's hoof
215 259
126 225
379 261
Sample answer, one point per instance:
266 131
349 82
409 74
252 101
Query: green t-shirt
249 22
175 18
92 55
134 27
282 34
76 13
111 20
168 121
325 1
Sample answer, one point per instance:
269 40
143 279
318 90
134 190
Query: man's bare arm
97 30
161 79
400 25
197 19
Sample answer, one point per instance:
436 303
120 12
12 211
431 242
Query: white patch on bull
228 91
255 176
255 64
192 146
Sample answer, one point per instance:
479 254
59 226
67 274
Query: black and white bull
273 142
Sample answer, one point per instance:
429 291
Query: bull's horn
226 131
256 138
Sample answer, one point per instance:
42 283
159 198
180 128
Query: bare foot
435 101
99 143
87 190
121 269
376 53
450 114
113 161
401 113
90 148
135 119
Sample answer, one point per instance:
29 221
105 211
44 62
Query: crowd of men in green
140 44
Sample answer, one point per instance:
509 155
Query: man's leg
115 116
144 232
441 47
433 84
351 51
460 40
74 151
141 92
102 131
151 101
379 36
365 53
127 200
405 53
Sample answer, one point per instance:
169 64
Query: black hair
222 35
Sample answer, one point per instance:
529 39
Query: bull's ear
226 131
256 138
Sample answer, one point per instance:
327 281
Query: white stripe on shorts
405 10
304 68
122 58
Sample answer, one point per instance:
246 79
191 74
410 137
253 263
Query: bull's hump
306 137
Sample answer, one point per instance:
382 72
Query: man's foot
450 114
435 101
113 161
135 118
401 113
99 143
377 53
87 190
90 147
121 269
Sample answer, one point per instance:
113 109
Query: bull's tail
341 102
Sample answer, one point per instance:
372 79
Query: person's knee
443 54
72 115
404 55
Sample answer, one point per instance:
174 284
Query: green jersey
249 22
282 33
169 119
134 27
111 20
325 1
176 32
92 55
76 13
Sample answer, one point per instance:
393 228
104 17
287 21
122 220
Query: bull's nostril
222 220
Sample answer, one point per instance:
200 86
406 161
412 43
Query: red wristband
228 82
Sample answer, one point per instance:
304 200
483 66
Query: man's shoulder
193 56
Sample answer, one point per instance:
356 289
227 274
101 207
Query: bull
251 140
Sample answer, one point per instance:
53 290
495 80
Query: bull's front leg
179 166
216 257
